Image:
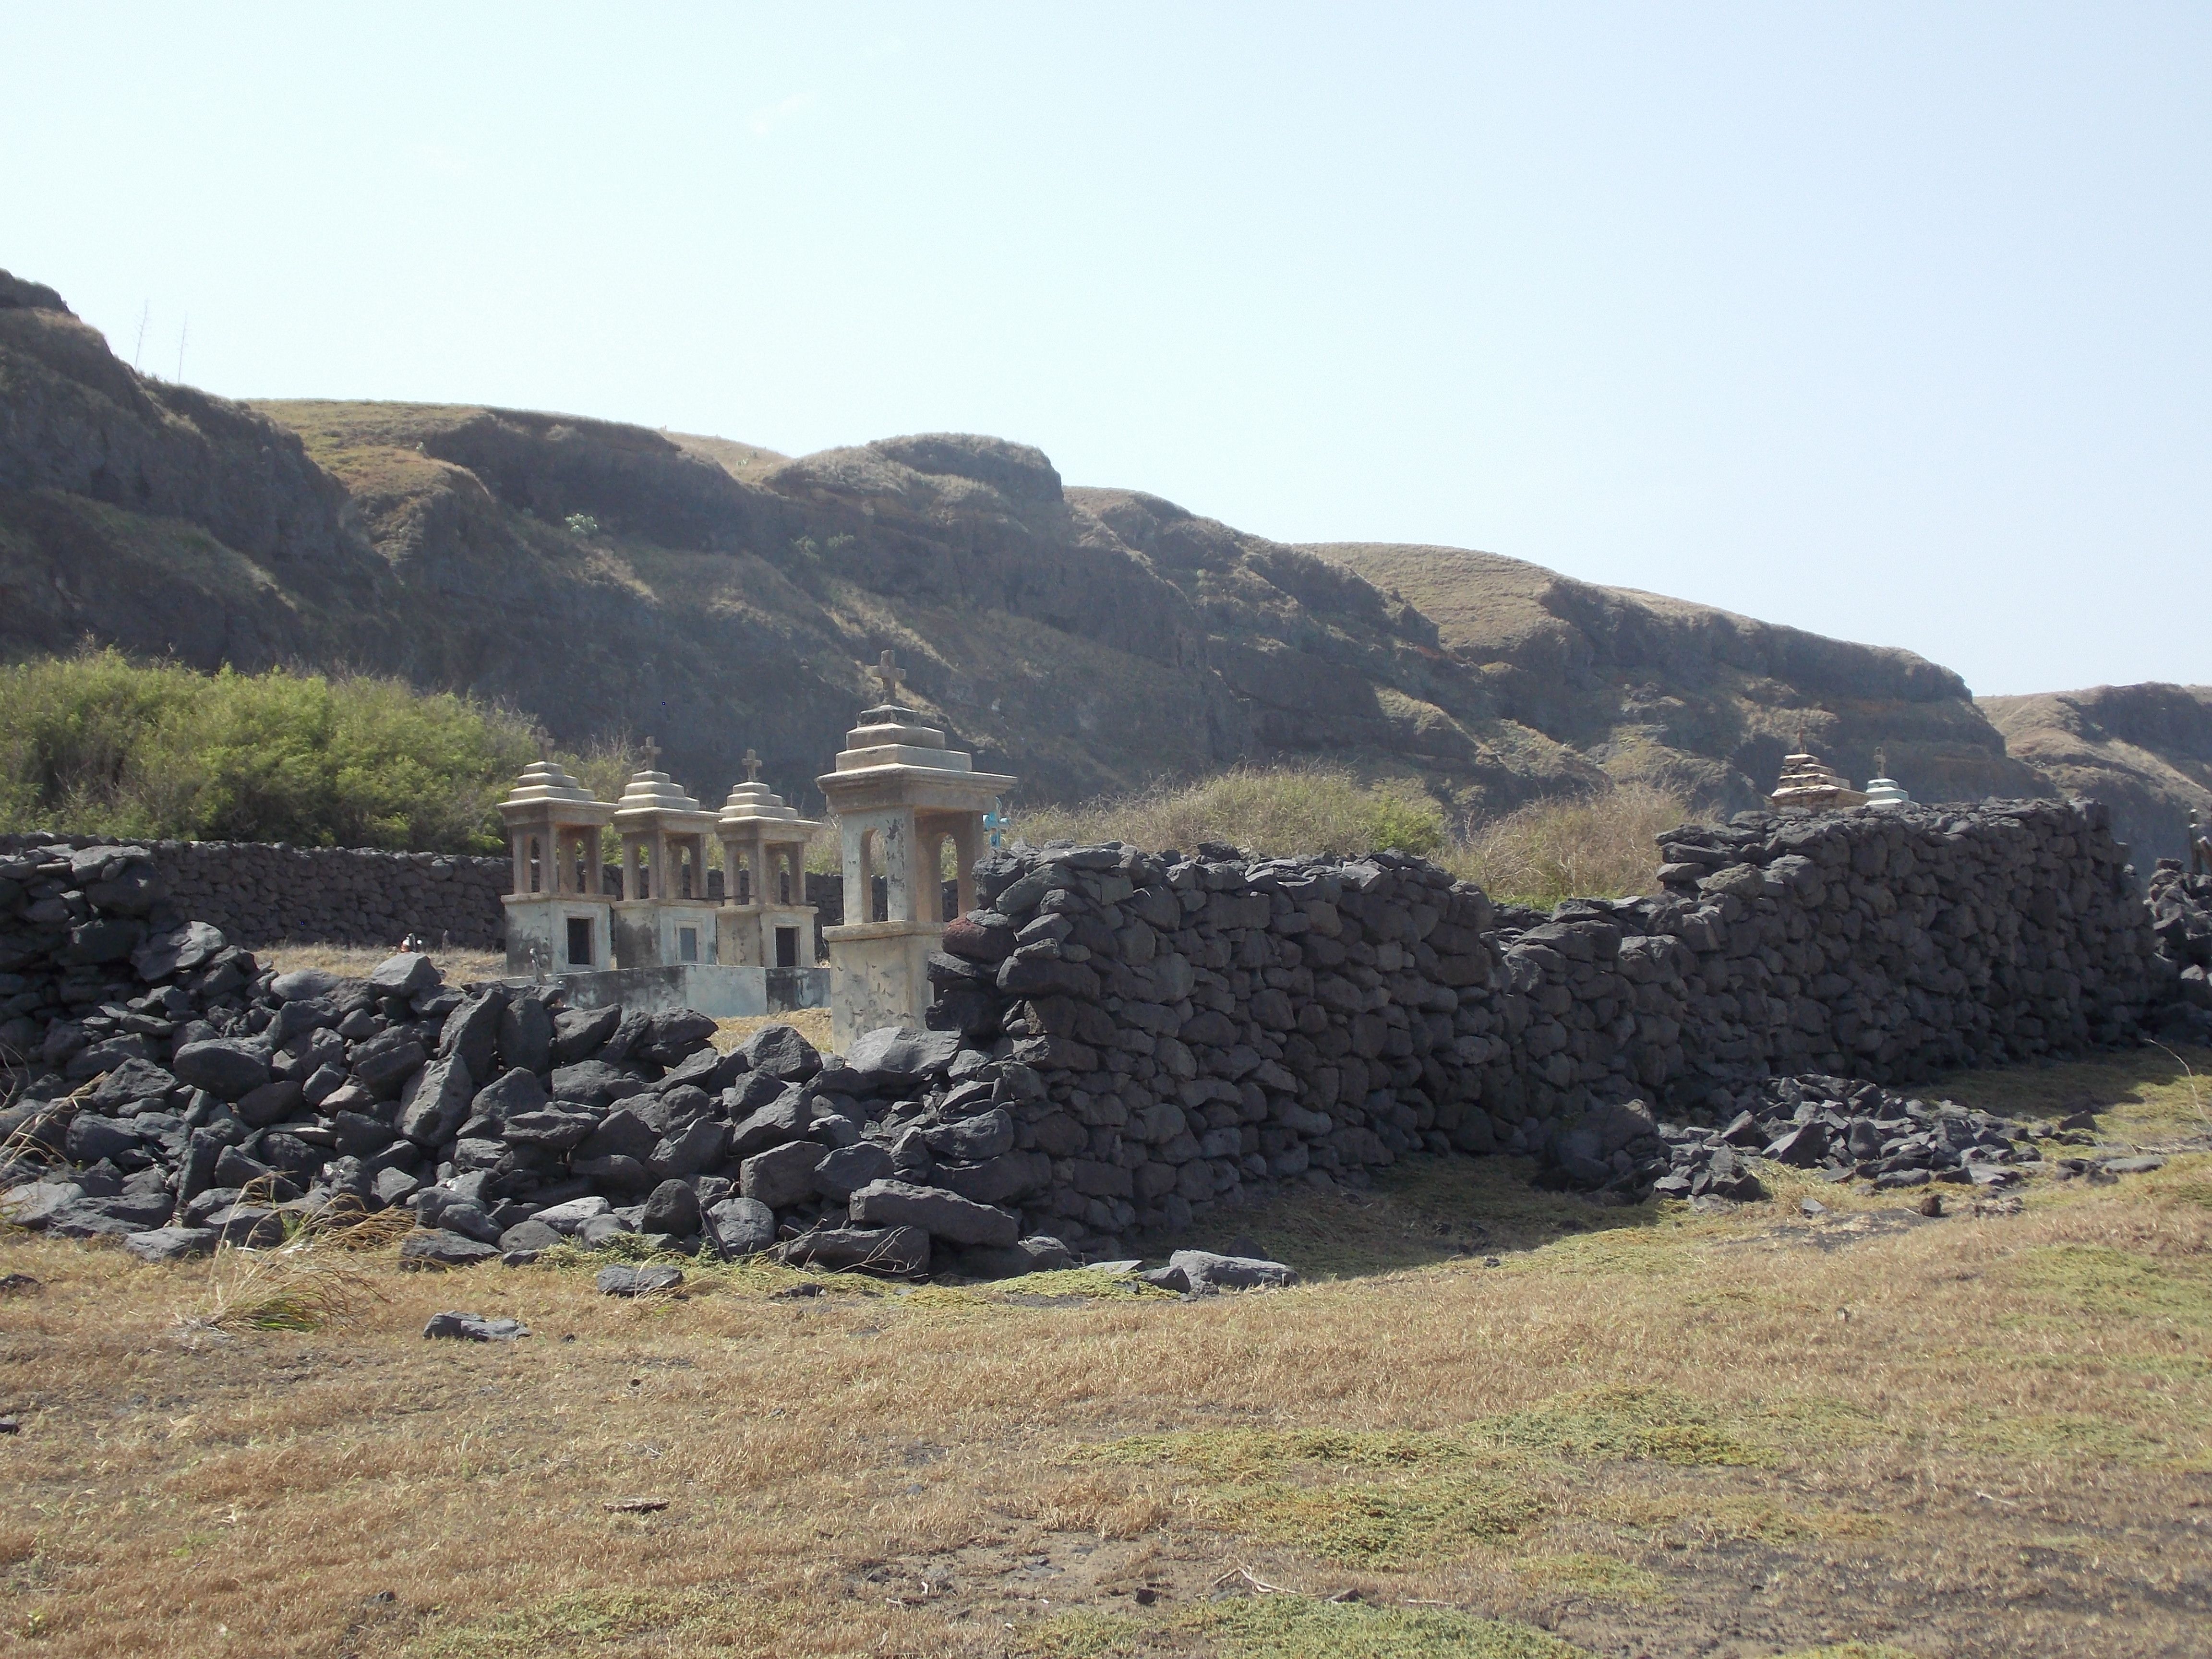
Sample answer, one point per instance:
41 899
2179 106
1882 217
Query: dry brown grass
1275 810
1661 1433
357 961
1593 847
812 1024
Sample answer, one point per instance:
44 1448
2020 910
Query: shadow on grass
2145 1093
1418 1212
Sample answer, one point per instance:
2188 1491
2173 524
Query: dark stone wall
260 894
1205 1031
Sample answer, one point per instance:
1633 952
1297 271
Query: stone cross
1881 761
886 672
753 767
546 751
652 755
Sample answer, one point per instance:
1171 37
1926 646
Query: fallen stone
436 1248
225 1067
671 1208
473 1328
941 1214
893 1252
171 1243
782 1175
638 1281
1208 1273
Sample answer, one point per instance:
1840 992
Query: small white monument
900 798
665 917
1885 791
557 915
765 921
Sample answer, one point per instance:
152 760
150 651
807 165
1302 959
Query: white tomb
558 911
900 798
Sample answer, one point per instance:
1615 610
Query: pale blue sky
1887 321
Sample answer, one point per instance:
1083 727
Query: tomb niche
902 799
666 916
765 921
558 910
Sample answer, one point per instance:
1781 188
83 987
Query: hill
604 577
2145 750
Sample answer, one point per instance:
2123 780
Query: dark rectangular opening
580 942
787 947
686 945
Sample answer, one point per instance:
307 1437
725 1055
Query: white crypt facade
708 909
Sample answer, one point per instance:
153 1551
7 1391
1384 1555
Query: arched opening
873 900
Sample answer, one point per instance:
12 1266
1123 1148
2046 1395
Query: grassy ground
1493 1422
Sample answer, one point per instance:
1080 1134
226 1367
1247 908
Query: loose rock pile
2181 917
194 1096
1842 1128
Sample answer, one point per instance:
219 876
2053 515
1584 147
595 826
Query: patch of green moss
1079 1281
1250 1454
2098 1281
1650 1424
1291 1627
585 1621
1605 1577
1383 1524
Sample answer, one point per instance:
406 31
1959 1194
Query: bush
98 744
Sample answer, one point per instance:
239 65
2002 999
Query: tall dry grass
1593 846
1278 809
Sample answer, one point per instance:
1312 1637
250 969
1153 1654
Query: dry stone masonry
262 893
1119 1042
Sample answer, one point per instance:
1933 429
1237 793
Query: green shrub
102 745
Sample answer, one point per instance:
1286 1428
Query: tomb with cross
558 913
765 921
665 915
909 814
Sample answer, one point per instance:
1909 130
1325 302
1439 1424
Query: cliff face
2145 750
604 577
1699 701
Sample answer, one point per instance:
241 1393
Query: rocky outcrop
606 577
1698 701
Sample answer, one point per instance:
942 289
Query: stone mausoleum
669 929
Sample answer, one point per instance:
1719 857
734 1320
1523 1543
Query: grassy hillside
2145 750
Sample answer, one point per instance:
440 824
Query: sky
1886 321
